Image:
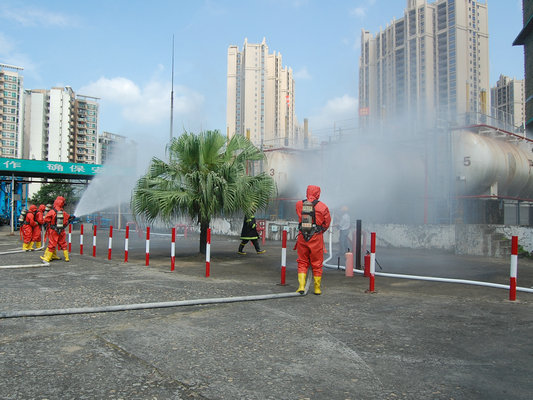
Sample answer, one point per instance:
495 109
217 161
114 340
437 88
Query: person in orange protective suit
26 230
314 219
57 220
36 235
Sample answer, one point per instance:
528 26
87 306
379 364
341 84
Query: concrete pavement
409 340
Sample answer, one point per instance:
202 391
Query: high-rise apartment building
107 142
525 38
11 111
260 97
507 101
60 126
431 64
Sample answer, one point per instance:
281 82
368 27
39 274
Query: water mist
113 186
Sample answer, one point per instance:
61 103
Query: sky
121 52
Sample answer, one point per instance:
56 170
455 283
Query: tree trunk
204 226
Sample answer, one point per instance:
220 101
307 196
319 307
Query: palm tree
205 177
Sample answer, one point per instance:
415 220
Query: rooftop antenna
172 94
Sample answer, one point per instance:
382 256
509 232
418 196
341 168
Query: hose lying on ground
426 278
144 306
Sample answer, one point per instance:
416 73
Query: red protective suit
27 227
39 218
57 237
311 253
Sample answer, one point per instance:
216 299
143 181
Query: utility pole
172 95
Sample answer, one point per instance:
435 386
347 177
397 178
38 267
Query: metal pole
172 95
12 204
358 233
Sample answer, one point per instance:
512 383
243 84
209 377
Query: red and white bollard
367 265
208 254
70 238
173 250
514 268
94 241
110 243
372 261
147 246
126 240
283 256
81 239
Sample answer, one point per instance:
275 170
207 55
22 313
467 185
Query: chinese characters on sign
13 164
56 167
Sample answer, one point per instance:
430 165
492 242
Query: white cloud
146 105
32 16
117 90
9 55
302 74
358 12
338 111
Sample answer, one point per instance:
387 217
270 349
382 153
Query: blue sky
120 51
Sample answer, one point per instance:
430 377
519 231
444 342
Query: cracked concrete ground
409 340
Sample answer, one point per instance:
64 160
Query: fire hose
144 306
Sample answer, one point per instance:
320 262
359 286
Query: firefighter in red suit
39 218
56 230
26 229
310 241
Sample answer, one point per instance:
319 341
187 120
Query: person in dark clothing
249 233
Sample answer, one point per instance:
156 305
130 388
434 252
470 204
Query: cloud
10 55
33 16
145 105
117 90
302 74
339 111
359 12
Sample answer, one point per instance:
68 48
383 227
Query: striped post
81 239
147 246
283 256
372 261
173 250
94 241
110 243
514 268
208 254
69 238
126 240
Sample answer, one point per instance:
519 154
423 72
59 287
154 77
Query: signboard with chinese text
23 167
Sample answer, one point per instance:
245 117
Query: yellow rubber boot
55 256
25 246
37 245
47 256
30 246
301 282
317 279
65 253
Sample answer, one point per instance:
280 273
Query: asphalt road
408 340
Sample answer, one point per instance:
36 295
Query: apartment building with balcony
260 97
60 126
432 64
525 38
107 143
11 111
508 102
